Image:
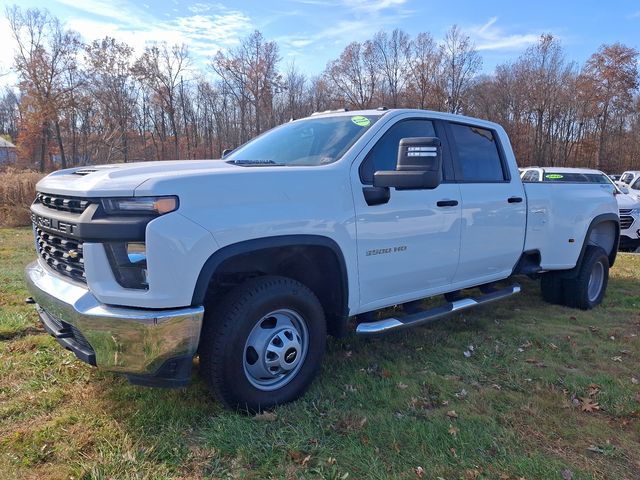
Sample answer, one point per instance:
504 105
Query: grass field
547 392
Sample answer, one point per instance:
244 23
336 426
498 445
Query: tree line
80 103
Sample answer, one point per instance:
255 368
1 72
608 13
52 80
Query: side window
530 176
636 185
478 155
384 154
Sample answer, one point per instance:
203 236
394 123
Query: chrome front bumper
137 342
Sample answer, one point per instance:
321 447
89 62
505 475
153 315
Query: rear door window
478 154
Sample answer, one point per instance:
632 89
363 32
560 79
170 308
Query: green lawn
410 405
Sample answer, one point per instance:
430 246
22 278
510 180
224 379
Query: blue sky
312 32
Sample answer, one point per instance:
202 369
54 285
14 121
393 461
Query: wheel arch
603 231
314 260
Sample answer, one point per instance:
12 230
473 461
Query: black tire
227 329
577 293
552 288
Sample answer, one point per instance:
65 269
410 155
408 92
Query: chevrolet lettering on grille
53 224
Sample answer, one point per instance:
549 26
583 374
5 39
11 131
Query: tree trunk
63 158
43 148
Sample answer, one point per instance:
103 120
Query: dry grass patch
17 191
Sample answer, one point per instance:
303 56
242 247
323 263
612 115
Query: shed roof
6 144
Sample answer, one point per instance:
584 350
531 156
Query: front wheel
586 290
263 344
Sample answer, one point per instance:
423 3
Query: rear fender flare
598 220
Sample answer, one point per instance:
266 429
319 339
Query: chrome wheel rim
275 349
596 280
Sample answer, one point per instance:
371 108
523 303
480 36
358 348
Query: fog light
137 252
128 263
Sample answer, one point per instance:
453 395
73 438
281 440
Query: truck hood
627 201
122 179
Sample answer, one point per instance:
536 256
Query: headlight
635 211
140 205
129 263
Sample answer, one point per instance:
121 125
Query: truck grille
62 203
626 220
62 254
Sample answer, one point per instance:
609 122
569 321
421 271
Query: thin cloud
205 28
373 5
356 5
117 10
489 36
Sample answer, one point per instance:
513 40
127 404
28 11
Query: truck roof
452 117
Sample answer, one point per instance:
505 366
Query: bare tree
354 75
391 56
296 94
161 68
250 72
111 86
425 78
461 62
45 54
612 74
10 118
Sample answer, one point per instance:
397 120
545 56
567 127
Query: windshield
310 142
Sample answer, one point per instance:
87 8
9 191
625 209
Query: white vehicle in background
628 203
630 176
634 188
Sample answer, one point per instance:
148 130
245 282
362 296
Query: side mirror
419 165
226 152
624 190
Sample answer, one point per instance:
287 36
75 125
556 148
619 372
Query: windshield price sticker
553 176
361 121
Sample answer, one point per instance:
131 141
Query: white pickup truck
251 260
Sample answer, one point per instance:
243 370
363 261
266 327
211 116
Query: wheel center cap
290 355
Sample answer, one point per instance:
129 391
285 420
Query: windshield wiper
256 163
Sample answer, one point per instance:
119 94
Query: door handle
447 203
514 200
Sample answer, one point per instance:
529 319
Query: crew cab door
493 204
408 246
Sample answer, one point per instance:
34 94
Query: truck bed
558 217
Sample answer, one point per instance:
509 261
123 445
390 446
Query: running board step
428 316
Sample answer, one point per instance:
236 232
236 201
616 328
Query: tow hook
29 301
